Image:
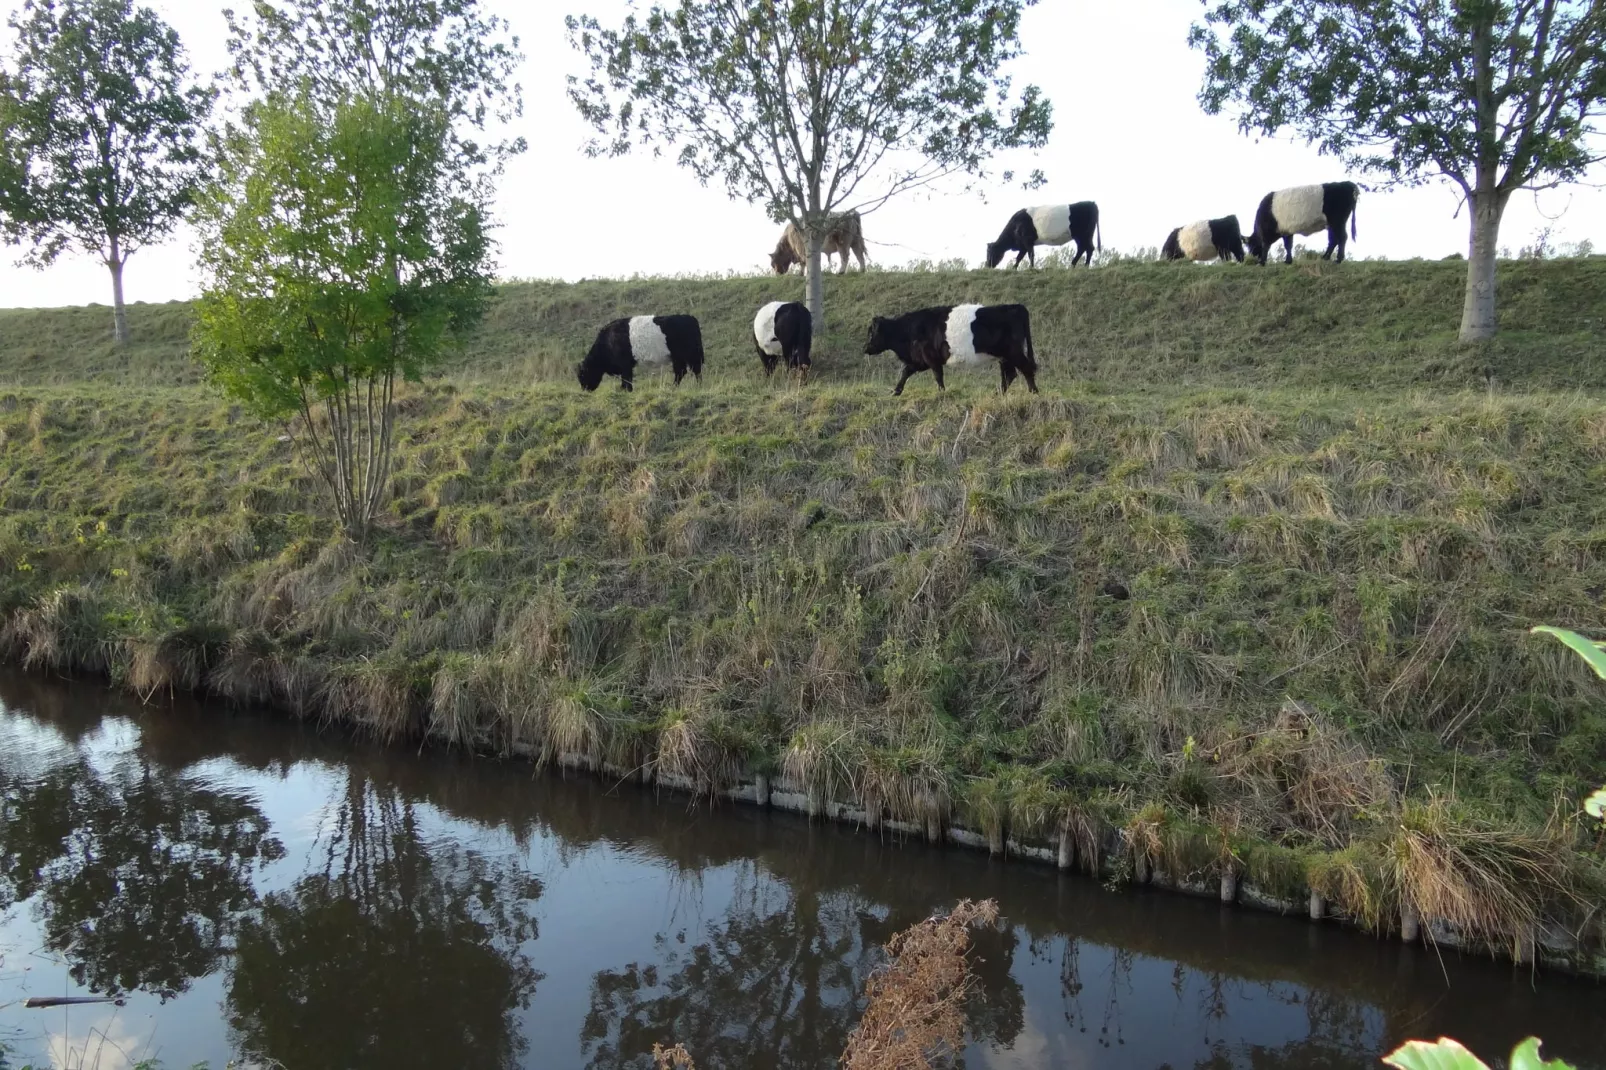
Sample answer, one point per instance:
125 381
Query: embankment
1332 528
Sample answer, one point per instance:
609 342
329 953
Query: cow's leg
1288 248
936 371
1006 375
1336 241
625 382
1019 256
908 370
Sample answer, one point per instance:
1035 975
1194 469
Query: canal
256 890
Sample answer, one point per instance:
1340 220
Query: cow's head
877 342
782 259
590 375
995 253
1256 247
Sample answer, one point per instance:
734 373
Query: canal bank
562 922
1249 615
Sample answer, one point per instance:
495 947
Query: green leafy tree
1496 96
99 134
446 51
346 240
340 255
812 107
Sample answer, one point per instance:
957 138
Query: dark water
262 892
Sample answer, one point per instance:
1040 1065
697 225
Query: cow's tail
1354 210
1031 353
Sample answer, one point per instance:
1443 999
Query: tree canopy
100 130
1495 96
812 107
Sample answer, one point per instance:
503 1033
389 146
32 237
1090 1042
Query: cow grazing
784 330
1304 210
1207 239
933 339
843 235
1049 224
634 340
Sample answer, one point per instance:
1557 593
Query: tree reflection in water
775 983
396 952
137 876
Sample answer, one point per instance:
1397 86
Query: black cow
1304 210
1049 224
935 338
784 330
1207 239
625 343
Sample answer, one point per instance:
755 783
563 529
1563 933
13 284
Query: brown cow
842 235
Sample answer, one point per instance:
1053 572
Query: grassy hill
1128 326
1334 525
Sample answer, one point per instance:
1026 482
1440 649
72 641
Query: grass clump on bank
1320 680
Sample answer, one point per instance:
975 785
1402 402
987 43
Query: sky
1128 134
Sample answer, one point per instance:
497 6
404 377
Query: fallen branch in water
41 1002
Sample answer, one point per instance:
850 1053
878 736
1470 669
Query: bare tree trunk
1478 313
816 278
1488 201
115 263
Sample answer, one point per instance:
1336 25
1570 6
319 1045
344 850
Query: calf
784 330
935 338
625 343
1048 224
1304 210
1207 239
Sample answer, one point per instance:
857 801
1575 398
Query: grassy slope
1311 492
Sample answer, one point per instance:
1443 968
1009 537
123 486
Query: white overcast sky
1128 133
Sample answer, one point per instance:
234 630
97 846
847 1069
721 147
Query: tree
339 254
346 240
1494 96
812 107
446 51
100 128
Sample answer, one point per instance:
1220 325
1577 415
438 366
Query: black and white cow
625 343
1049 224
1207 239
1304 210
784 330
936 338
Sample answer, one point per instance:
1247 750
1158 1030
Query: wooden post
1318 906
761 790
1410 924
1229 885
1067 852
933 829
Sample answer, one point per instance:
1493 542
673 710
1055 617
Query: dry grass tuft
1305 767
1495 885
915 1018
676 1058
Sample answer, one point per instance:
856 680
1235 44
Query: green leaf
1526 1057
1595 805
1587 649
1443 1054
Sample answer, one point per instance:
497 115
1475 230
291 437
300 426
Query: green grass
1335 525
1129 326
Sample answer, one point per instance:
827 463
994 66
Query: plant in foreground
1447 1054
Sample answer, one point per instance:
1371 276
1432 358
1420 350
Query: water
263 892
